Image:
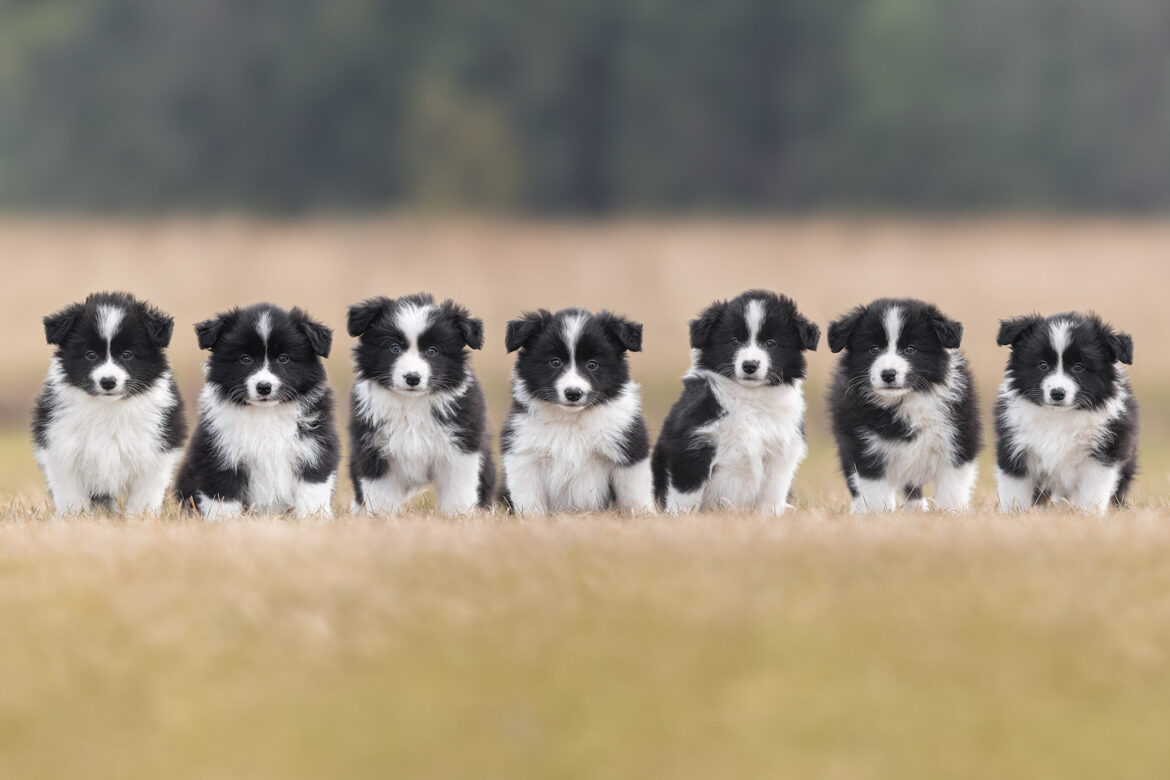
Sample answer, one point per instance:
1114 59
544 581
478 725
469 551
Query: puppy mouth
269 401
891 391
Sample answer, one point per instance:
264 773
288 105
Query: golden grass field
817 645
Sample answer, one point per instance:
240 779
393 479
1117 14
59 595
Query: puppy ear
626 332
1121 344
57 326
702 325
470 327
949 332
320 336
521 332
159 327
208 331
1011 331
842 329
362 315
809 332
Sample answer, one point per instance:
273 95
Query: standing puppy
736 436
1066 419
418 413
575 439
109 419
266 439
903 406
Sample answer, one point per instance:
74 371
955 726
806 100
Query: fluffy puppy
266 439
575 439
1066 419
736 436
109 420
418 415
903 406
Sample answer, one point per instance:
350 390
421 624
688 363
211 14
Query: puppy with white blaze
109 420
903 407
1066 419
736 436
575 439
266 439
418 415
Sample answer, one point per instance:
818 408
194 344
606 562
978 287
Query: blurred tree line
584 105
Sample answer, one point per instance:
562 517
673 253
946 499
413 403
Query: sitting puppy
736 436
266 440
575 439
418 413
1066 419
109 420
903 406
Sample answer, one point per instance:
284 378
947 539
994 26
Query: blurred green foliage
584 105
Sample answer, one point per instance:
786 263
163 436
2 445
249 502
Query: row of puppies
109 422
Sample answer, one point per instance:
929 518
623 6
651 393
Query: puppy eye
91 355
909 349
735 342
432 351
555 362
875 350
127 355
1078 367
395 348
245 359
770 343
592 365
1042 365
282 359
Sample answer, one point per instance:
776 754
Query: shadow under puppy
417 414
575 439
109 420
266 440
736 435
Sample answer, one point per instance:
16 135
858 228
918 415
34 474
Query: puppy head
412 345
1067 361
572 359
111 345
263 355
758 339
894 347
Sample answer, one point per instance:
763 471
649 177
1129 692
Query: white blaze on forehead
109 318
1060 332
890 360
264 326
413 321
755 318
893 324
751 351
571 333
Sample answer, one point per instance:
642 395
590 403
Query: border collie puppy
418 415
1066 419
266 440
736 436
575 438
109 420
903 406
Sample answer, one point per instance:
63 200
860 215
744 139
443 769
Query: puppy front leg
315 499
778 486
874 495
954 486
457 484
385 495
1017 493
633 488
69 494
1095 487
149 491
525 489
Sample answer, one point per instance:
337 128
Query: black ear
949 332
809 332
1010 331
1122 346
362 315
159 327
470 327
626 332
57 326
521 332
208 331
842 329
702 325
320 336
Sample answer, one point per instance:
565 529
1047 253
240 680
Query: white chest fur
407 432
931 449
758 432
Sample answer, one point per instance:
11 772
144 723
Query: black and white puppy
1066 418
266 439
903 406
736 436
575 438
418 415
109 420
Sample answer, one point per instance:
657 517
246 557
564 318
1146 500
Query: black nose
889 375
751 366
1057 393
573 394
264 388
108 383
412 379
